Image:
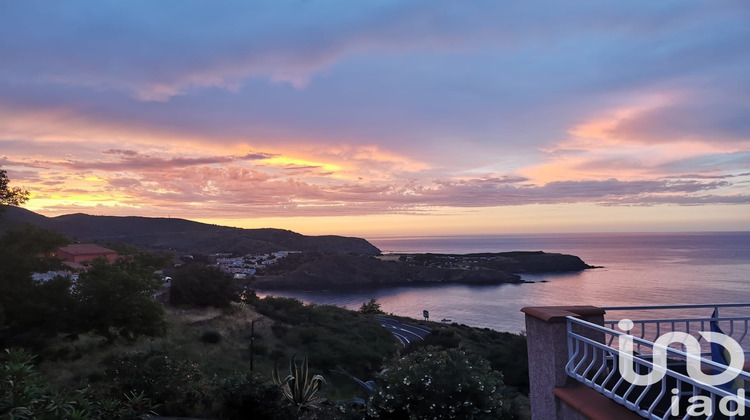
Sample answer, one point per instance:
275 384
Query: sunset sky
382 118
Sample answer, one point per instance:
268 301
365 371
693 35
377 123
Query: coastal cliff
326 271
353 270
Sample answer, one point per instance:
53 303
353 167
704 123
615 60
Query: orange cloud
606 145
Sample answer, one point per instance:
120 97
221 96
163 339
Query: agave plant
368 388
298 387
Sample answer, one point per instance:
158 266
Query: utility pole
252 340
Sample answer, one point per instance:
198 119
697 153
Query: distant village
461 262
250 264
77 255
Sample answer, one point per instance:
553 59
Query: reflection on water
642 269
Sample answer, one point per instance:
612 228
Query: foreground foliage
439 384
115 299
202 285
298 387
25 394
330 336
109 299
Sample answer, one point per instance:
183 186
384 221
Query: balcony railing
594 359
733 325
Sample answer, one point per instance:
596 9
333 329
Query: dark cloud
708 176
131 160
260 156
129 153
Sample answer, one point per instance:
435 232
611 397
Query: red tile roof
79 249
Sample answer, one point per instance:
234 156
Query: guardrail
737 327
594 361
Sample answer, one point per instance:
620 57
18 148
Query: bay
638 269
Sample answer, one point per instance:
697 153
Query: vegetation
176 385
506 352
117 299
10 196
252 397
24 303
439 384
203 285
372 307
298 387
107 349
331 337
109 299
25 394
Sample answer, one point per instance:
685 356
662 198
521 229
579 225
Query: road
405 333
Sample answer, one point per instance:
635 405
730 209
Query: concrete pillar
546 334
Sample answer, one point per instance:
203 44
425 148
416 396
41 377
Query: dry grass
73 363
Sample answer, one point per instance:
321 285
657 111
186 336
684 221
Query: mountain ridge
183 235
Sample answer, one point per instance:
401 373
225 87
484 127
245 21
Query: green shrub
25 394
260 349
176 385
116 299
250 397
439 384
443 338
279 330
203 285
332 337
211 337
372 307
277 354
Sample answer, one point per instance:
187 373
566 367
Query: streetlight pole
252 341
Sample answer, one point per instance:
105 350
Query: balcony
656 362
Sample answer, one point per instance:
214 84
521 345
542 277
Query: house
78 253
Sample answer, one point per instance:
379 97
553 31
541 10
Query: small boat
445 320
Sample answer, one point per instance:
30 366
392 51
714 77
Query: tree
203 285
372 307
439 384
26 303
117 299
10 196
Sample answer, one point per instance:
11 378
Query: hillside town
250 264
76 256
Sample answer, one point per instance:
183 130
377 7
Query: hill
355 270
184 236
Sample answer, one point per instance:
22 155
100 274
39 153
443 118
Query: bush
443 338
203 285
249 397
372 307
279 330
211 337
117 299
176 385
332 337
25 394
259 349
439 384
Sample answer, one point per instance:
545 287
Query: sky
382 118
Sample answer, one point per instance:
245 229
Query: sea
636 269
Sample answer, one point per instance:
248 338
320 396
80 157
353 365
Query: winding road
406 333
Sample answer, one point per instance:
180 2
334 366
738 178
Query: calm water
639 269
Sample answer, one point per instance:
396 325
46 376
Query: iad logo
733 354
